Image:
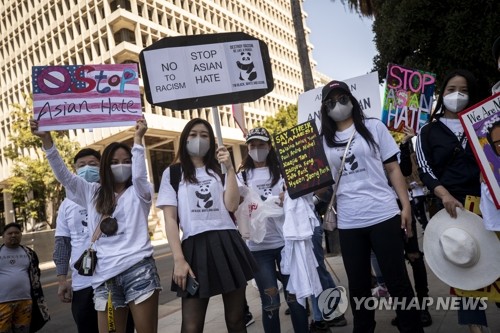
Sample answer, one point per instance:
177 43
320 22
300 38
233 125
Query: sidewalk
443 321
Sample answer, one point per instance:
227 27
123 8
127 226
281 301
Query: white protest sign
365 88
176 73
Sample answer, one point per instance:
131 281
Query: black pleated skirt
220 260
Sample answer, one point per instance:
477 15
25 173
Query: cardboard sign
188 72
482 126
85 96
302 159
407 98
365 88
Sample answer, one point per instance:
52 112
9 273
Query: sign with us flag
85 96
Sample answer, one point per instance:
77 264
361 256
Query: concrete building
66 32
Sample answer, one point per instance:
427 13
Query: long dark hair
272 164
105 195
184 158
329 127
472 87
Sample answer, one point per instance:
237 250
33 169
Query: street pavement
444 321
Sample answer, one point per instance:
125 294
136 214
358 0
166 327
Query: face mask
456 101
121 172
340 112
197 147
259 154
496 88
89 173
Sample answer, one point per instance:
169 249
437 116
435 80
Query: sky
343 41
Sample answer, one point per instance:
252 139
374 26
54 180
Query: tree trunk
300 36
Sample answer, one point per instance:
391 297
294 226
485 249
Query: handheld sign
85 96
407 98
189 72
365 88
482 126
302 159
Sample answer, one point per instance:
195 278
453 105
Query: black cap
496 49
333 86
12 224
259 133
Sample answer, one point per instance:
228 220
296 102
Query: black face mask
109 226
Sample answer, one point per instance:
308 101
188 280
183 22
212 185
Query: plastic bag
252 214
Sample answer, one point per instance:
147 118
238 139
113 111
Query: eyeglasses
342 99
109 226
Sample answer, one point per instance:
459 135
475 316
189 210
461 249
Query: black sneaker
319 327
337 322
249 319
425 318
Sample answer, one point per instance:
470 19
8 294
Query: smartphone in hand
192 285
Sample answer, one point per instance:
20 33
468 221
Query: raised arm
231 194
139 171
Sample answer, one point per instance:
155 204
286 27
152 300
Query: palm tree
300 36
363 7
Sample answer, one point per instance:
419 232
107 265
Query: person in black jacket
412 250
446 161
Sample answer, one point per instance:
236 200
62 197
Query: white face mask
197 147
456 101
258 154
496 88
121 172
340 112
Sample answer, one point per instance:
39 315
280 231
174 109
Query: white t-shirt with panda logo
201 205
364 197
259 179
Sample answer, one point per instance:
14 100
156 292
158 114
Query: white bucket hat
461 252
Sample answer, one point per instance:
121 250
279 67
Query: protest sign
482 126
365 88
85 96
189 72
407 98
302 159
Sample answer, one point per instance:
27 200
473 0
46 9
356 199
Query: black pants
417 265
386 241
418 207
84 314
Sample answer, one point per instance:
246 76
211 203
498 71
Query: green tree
35 191
285 118
438 36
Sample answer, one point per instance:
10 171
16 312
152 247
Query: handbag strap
97 231
339 174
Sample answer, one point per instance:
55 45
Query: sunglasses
342 99
109 226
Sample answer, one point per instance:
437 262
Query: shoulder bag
330 217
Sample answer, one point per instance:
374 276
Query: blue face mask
89 173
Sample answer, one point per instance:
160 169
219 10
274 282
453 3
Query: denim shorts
138 282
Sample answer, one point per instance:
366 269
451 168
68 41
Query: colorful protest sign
85 96
302 159
365 88
482 126
188 72
407 98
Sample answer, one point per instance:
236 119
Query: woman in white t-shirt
260 172
211 250
368 215
118 209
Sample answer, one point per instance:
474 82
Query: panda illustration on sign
204 196
246 66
